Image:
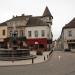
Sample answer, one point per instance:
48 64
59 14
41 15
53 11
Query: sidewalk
39 59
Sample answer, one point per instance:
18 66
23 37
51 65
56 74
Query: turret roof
47 12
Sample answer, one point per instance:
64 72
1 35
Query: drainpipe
49 37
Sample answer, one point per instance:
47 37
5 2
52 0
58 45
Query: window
42 33
36 33
3 32
10 33
29 33
69 33
21 33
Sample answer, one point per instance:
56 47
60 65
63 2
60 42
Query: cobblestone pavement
60 63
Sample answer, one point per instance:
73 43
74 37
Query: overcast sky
63 11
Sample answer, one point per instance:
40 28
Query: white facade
68 37
39 29
66 34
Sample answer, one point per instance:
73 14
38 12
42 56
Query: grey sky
63 11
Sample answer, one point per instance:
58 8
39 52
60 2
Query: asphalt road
60 63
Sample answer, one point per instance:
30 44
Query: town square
37 37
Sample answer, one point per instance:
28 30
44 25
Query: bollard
44 58
47 56
50 52
32 60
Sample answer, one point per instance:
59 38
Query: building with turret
36 29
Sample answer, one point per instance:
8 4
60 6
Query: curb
32 61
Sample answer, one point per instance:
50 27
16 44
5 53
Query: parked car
67 49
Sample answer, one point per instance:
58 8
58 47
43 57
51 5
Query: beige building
3 33
68 35
19 24
59 43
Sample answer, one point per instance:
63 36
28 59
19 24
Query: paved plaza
38 59
60 63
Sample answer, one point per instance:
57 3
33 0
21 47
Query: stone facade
19 23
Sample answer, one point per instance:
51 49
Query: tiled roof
23 17
47 12
33 21
3 24
71 24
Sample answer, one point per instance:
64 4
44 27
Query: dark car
67 50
